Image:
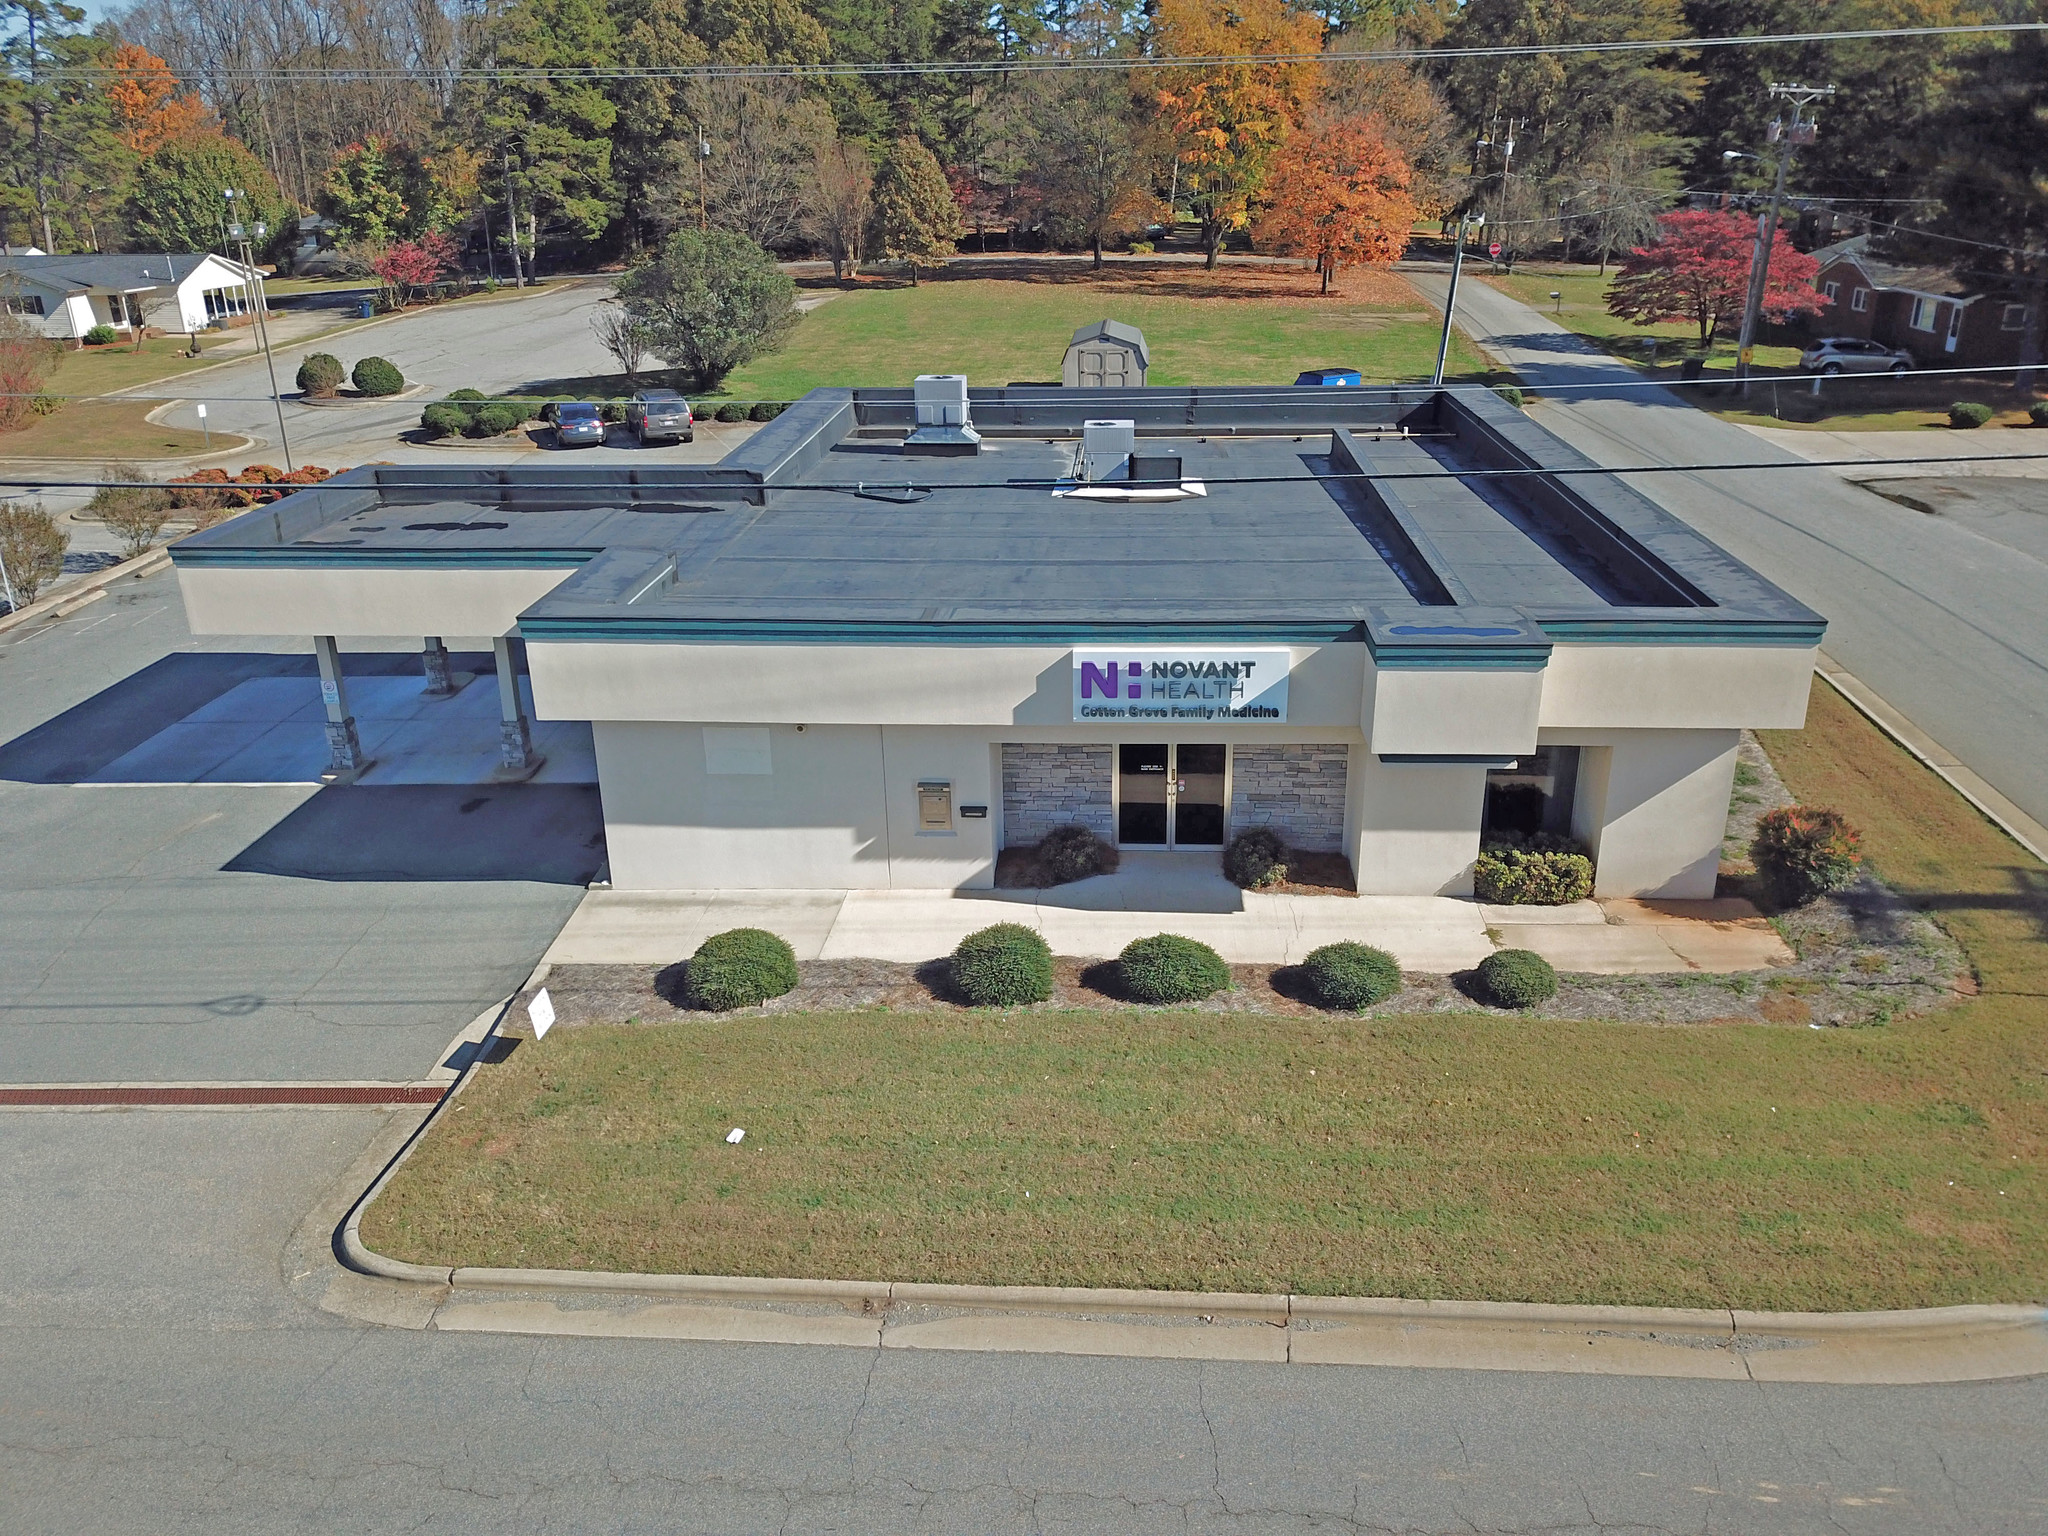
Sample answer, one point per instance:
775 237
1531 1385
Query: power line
860 487
1007 66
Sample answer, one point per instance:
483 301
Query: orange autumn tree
150 110
1229 118
1340 197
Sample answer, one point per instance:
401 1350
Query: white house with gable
69 295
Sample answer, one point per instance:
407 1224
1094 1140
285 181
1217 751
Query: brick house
1938 317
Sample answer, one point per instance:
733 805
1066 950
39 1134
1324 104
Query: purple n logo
1103 679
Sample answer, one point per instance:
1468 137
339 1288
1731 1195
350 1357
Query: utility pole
512 223
243 234
1506 145
703 154
1801 130
1443 347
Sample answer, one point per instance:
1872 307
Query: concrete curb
62 604
1937 1344
2009 818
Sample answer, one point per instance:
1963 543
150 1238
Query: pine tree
916 219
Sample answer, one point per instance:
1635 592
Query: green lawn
113 429
97 370
1239 325
1583 308
1447 1156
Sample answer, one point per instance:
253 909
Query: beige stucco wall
1416 826
363 600
1491 711
1653 807
1678 687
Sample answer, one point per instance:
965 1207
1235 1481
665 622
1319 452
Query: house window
23 304
1534 796
224 301
1832 290
2013 318
1860 300
1924 313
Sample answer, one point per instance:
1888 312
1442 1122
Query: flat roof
1326 513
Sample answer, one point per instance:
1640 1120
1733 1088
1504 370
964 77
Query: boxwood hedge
1003 966
739 968
1516 978
1351 975
1167 968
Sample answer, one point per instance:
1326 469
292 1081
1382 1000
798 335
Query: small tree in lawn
1697 269
1339 196
621 335
841 204
27 359
411 266
709 302
31 550
915 215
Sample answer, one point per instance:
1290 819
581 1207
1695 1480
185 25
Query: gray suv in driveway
660 415
1850 354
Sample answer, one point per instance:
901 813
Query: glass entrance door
1170 797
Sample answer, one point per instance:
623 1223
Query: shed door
1116 368
1093 360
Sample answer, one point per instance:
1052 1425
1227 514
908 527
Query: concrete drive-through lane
169 931
164 1368
1941 617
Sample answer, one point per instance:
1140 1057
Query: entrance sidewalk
1177 893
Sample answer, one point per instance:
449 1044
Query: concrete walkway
1177 893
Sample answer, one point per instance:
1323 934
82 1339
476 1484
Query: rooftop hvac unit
940 403
1106 448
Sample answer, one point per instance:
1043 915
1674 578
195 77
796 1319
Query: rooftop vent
940 401
1106 448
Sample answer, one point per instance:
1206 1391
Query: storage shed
1106 355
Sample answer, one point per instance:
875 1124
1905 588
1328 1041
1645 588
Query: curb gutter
64 603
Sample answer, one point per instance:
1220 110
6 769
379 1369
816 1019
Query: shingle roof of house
122 273
1937 281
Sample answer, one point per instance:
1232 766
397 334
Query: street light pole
1443 347
242 235
1799 131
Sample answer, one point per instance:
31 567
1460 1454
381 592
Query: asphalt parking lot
256 931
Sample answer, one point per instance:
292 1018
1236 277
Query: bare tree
1625 182
136 513
1093 167
841 199
622 336
755 177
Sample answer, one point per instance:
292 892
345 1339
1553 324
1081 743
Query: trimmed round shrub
611 410
1803 851
490 420
444 420
320 375
1516 978
1255 859
739 968
762 410
1969 413
100 336
1537 872
375 376
1167 968
1074 853
1003 967
469 394
1509 393
1352 976
2037 413
732 410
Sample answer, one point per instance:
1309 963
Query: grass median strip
1465 1155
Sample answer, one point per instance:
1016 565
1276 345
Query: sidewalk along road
168 1367
1942 619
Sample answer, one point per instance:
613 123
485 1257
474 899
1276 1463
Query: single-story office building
892 633
66 296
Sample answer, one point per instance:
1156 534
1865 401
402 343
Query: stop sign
1493 249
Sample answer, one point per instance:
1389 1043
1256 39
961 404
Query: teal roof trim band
1470 658
1716 632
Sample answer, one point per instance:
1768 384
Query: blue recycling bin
367 309
1329 376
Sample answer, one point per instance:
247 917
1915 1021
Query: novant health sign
1188 683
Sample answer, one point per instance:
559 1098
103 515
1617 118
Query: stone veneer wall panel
1297 790
1051 785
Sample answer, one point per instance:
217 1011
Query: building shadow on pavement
549 833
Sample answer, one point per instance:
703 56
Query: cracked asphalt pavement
163 1370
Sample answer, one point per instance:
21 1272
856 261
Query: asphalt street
1942 616
162 1370
187 932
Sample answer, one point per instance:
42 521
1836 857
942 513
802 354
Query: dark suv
660 415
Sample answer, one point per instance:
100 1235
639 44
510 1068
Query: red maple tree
411 265
1338 196
1697 269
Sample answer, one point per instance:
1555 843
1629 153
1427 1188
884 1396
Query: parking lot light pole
1443 347
243 236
